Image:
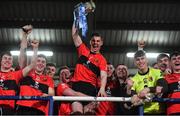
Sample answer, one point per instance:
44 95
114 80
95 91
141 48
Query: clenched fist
27 29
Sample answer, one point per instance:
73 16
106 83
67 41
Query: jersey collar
144 73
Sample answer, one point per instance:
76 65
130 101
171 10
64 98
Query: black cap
139 53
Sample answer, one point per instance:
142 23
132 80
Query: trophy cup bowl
90 6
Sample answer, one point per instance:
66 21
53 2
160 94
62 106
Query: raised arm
28 68
22 59
76 38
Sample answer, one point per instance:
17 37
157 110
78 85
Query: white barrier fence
68 98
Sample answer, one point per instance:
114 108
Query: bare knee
77 107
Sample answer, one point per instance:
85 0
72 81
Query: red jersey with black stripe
107 107
61 88
174 92
35 85
65 107
89 66
9 86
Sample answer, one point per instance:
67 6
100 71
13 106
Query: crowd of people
93 76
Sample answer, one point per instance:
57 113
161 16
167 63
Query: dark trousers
85 88
5 110
178 114
23 110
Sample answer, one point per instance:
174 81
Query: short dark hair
139 53
176 53
43 56
50 64
119 65
154 64
108 63
162 55
63 67
97 35
7 53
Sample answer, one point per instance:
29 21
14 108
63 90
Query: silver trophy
81 10
87 6
90 6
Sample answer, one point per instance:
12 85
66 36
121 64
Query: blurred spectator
155 65
123 108
106 107
50 69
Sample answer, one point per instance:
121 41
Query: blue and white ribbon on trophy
80 12
80 19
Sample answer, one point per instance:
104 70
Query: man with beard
163 63
173 81
147 81
91 65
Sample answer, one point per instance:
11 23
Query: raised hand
27 29
144 92
141 43
129 82
102 93
90 108
167 71
129 85
135 100
35 43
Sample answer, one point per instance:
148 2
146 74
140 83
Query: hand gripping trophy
26 30
80 12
